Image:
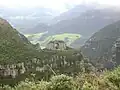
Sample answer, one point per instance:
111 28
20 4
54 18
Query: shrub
84 81
28 85
114 77
62 82
93 82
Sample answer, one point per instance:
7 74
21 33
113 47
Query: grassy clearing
69 38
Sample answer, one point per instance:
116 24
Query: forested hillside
101 43
13 45
109 80
19 59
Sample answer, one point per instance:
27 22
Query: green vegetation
18 55
101 43
109 80
35 36
31 69
14 47
67 37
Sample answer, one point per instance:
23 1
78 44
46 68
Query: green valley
69 38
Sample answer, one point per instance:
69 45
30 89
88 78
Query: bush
62 82
114 77
93 82
28 85
84 81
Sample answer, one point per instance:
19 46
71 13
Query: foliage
62 82
100 44
114 77
109 80
69 38
16 48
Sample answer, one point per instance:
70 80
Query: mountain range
81 22
99 27
74 12
23 18
19 58
85 23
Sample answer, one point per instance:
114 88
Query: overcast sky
54 4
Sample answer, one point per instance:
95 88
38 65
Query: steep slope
87 23
19 60
74 12
101 43
13 45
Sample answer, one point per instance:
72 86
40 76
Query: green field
69 38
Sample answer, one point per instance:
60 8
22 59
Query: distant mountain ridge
24 18
82 19
74 12
86 24
41 27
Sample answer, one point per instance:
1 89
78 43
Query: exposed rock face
12 70
59 63
56 45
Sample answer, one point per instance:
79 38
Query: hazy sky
55 4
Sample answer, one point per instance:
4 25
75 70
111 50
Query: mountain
74 12
19 59
101 42
13 45
24 18
36 29
85 25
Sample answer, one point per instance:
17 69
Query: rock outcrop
56 45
